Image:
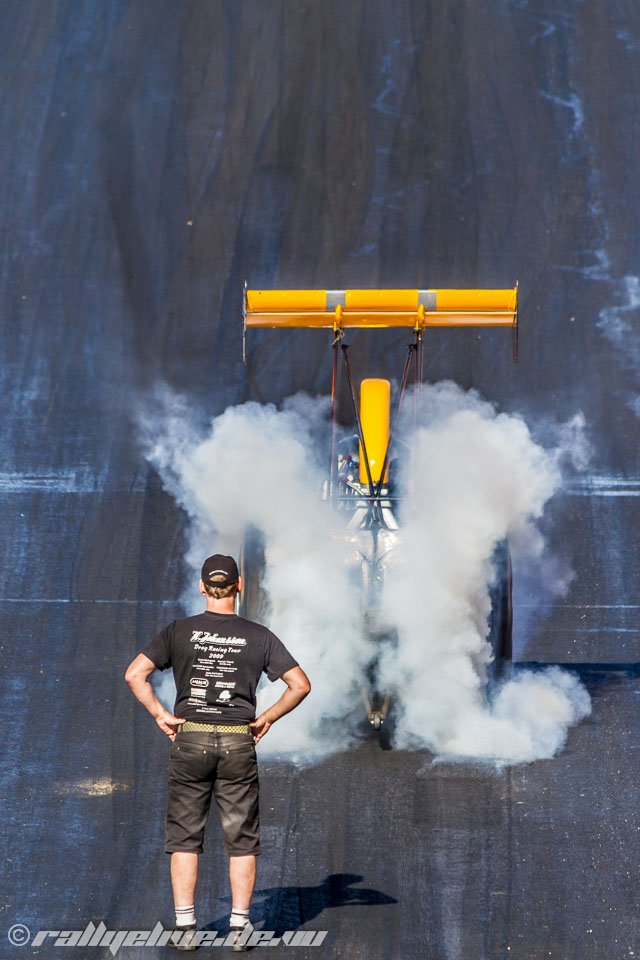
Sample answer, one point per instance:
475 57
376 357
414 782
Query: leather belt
190 727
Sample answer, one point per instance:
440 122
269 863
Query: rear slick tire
501 618
253 602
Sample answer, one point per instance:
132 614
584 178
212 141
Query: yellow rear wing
379 309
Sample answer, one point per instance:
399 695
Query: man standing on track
217 659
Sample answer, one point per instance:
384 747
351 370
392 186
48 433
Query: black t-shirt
217 661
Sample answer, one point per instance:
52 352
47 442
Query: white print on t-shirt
215 658
201 636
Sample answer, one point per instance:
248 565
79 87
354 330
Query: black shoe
184 939
241 935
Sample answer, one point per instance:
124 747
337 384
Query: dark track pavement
154 156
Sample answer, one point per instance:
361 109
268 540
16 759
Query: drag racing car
363 479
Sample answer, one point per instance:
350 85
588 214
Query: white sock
239 918
185 916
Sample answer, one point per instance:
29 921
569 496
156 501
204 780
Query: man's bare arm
298 687
137 676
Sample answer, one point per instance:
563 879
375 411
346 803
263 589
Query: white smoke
478 477
255 467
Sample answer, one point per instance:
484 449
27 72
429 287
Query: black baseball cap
219 565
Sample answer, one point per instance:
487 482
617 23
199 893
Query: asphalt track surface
154 156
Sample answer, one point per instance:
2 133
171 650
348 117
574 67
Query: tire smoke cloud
256 467
475 478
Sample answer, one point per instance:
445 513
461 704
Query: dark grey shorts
222 764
